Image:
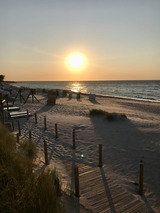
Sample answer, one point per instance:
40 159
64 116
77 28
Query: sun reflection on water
78 87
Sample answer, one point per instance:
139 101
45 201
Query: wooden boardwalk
102 195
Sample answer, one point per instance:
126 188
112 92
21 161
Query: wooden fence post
19 128
56 131
76 177
7 106
27 115
17 137
2 117
141 166
12 124
100 155
35 118
45 152
45 125
73 134
8 115
30 135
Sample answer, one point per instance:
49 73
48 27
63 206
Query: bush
96 112
29 149
21 190
108 116
115 116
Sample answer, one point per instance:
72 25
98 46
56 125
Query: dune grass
108 116
21 190
95 112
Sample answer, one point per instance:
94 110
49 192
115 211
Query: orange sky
119 40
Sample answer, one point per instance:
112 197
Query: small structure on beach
92 97
51 98
19 93
32 94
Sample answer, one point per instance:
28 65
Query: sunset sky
118 39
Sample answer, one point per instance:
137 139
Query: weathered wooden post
27 115
45 152
30 135
35 118
12 120
76 178
141 166
100 155
73 137
17 137
19 128
45 125
7 106
2 115
56 131
20 95
32 91
8 114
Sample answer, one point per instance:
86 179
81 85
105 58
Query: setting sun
76 61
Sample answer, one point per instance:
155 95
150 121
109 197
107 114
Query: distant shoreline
62 86
7 82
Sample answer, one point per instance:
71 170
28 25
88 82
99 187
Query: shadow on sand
122 152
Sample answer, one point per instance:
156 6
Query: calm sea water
140 90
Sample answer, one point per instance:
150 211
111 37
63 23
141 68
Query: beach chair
32 94
92 97
19 93
70 95
78 95
52 95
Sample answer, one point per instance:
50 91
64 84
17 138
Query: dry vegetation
21 190
108 116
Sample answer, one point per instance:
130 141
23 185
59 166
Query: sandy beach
125 143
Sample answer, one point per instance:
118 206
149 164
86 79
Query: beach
124 142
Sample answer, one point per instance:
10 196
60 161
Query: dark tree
2 78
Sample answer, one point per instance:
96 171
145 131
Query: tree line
2 77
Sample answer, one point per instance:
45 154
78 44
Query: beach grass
115 116
108 116
96 112
22 190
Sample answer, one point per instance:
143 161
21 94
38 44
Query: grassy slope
21 190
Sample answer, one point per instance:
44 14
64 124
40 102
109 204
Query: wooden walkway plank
102 194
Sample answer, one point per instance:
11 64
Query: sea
137 90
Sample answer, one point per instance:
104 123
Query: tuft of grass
95 112
115 116
7 145
29 149
21 190
108 116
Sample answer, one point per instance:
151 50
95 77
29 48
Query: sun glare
76 61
